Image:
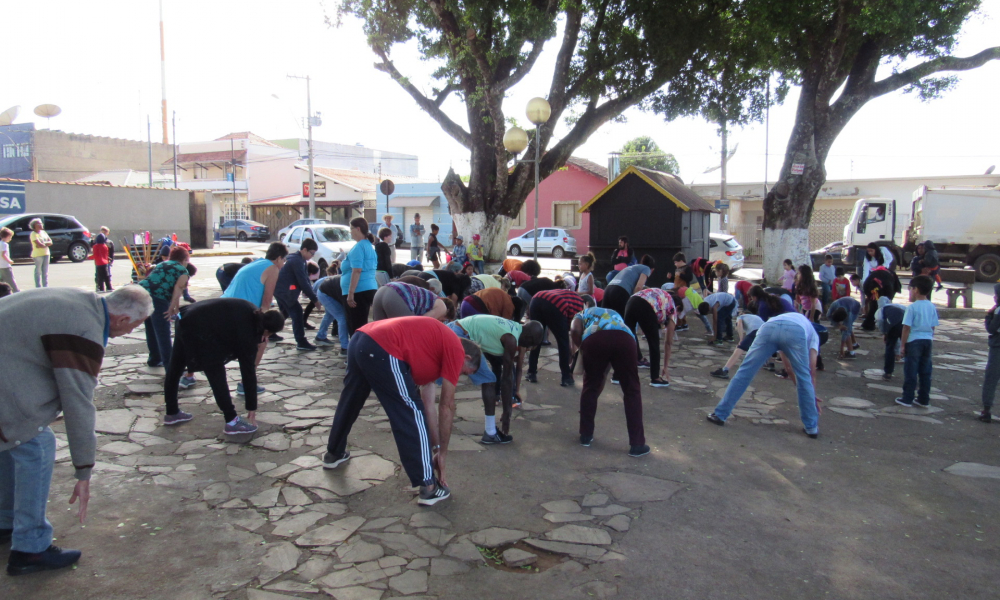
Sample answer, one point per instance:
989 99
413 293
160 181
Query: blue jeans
771 337
479 266
825 291
158 333
725 322
25 476
334 310
917 366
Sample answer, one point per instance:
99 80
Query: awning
411 201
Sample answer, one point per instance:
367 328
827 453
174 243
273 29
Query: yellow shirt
43 237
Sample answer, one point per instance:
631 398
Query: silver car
724 247
334 241
553 240
284 230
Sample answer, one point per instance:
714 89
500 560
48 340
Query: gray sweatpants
389 304
7 276
992 378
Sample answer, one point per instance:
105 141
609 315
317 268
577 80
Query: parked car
833 249
724 247
69 237
243 230
333 240
284 231
554 241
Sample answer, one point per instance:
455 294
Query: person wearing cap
475 254
394 233
458 251
503 343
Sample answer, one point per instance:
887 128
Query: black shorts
747 340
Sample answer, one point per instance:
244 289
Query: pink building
560 196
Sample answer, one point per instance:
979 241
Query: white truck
963 223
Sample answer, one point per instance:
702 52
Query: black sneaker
849 356
343 351
275 338
713 418
660 383
567 381
900 402
921 404
720 373
682 328
496 438
22 563
309 327
769 367
729 339
814 436
305 347
332 462
637 451
983 416
430 497
886 377
586 440
855 346
531 377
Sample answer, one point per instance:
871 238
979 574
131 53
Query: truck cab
872 220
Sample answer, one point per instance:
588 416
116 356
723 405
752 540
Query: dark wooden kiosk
660 215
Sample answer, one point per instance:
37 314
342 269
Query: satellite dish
988 171
48 111
7 117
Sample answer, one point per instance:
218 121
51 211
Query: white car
724 247
334 242
284 231
553 240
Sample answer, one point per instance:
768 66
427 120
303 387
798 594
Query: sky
227 60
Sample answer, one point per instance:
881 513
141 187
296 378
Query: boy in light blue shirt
827 273
919 322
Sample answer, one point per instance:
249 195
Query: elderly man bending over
61 334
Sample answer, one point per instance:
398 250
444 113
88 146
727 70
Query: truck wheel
988 268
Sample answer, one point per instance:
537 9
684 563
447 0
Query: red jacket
100 254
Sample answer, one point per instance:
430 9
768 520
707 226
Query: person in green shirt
504 344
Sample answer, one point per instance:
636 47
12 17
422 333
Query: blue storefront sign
12 198
16 151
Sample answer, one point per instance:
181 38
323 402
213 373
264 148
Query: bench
958 282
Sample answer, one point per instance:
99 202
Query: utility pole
312 173
232 158
163 77
149 143
175 147
722 188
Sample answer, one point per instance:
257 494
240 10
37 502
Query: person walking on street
416 239
210 334
399 359
165 284
358 283
604 340
102 261
40 243
293 280
6 264
52 368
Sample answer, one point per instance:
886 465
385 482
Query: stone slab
852 412
116 421
848 402
360 551
566 517
297 524
628 487
619 523
446 567
562 506
515 557
574 550
611 509
331 480
968 469
331 534
411 582
497 536
578 534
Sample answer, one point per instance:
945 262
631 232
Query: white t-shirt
392 228
722 298
812 338
4 249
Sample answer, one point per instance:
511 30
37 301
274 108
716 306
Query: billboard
17 151
12 198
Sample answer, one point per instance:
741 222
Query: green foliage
644 152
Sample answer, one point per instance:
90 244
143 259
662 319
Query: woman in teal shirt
357 280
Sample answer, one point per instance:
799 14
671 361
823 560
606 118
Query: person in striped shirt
554 309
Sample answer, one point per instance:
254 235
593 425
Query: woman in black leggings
649 309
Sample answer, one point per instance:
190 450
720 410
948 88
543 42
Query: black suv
69 237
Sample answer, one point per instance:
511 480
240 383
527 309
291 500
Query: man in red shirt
395 357
103 256
554 309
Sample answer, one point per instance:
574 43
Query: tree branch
943 63
456 37
560 77
518 74
440 98
431 107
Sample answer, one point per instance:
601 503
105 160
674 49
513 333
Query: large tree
611 55
834 50
644 152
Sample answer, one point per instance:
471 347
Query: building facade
411 199
358 158
744 216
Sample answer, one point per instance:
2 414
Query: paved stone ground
888 503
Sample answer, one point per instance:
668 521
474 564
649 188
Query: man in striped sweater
54 346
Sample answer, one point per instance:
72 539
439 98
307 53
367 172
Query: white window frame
521 222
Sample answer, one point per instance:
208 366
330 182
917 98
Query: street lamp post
516 140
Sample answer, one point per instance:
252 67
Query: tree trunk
788 206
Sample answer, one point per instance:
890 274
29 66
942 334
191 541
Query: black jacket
384 254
